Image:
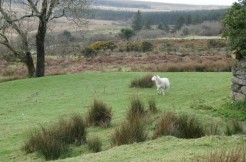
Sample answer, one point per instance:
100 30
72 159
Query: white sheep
162 84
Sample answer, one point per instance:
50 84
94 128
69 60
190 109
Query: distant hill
134 5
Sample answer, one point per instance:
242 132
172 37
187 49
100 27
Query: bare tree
14 18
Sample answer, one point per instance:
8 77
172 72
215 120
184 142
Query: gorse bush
99 114
146 46
95 144
52 142
130 132
179 126
89 52
103 45
136 109
144 82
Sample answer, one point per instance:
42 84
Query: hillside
27 104
133 5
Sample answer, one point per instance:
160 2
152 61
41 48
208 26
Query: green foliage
146 46
180 22
147 24
235 27
95 144
185 32
179 126
99 114
52 142
103 45
144 82
132 46
89 52
169 18
126 33
137 23
67 34
164 27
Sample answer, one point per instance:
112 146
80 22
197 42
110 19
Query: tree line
170 18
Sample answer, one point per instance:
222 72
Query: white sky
196 2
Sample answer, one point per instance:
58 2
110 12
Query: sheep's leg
163 92
158 91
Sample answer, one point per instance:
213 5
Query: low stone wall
239 80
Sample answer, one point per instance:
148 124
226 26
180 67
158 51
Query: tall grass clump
144 82
179 126
99 114
152 105
52 142
129 132
95 144
234 128
136 109
235 155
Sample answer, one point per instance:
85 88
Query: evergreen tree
137 23
126 33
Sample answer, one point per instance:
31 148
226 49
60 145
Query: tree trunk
30 65
40 38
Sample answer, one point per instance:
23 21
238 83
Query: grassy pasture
27 103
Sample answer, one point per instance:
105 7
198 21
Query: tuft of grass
189 127
52 142
129 132
136 109
234 128
166 125
179 126
144 82
235 155
99 114
95 144
152 105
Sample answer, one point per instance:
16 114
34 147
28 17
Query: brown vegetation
166 56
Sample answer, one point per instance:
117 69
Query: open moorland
97 101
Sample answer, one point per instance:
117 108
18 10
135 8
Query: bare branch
34 6
57 17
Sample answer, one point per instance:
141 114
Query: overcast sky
197 2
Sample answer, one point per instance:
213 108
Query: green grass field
25 104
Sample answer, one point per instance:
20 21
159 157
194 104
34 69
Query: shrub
132 46
129 132
179 126
99 114
89 52
52 142
95 144
103 45
144 82
136 109
146 46
152 106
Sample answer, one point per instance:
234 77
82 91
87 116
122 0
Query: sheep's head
153 78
